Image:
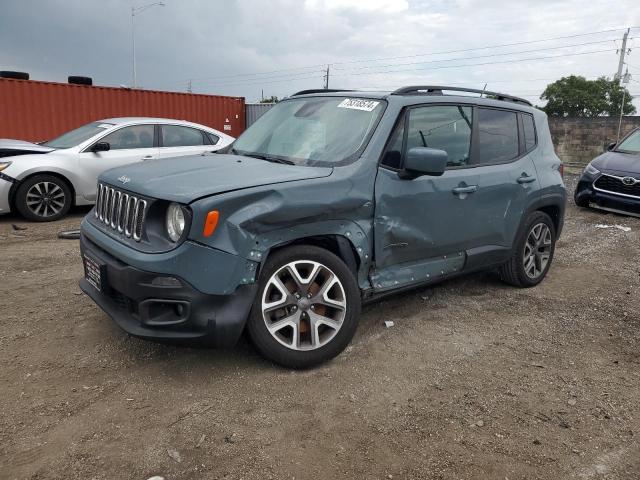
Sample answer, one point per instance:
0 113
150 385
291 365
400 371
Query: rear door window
497 135
178 136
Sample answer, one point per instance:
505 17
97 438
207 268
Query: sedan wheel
43 198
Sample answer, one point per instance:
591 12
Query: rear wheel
307 307
533 252
43 198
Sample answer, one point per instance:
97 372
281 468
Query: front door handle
469 189
526 179
148 157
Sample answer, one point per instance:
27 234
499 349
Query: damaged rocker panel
433 269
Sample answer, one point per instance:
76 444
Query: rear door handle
469 189
526 179
148 157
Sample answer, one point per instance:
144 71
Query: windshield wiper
284 161
260 156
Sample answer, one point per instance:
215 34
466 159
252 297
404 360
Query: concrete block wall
579 140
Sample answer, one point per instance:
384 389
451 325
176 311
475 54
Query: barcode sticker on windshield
358 104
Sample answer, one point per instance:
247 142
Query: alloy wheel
45 199
304 305
537 250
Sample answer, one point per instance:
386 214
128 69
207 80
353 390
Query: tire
523 274
14 75
77 80
581 202
334 312
41 188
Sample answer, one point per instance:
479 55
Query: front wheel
43 198
533 252
307 307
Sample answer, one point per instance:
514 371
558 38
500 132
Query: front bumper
586 194
6 183
149 305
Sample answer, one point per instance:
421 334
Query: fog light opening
166 282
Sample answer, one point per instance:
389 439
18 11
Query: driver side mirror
100 147
611 146
424 161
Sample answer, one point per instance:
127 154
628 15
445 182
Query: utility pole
623 81
189 87
134 11
623 52
326 79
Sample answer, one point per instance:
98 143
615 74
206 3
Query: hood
617 162
186 179
10 147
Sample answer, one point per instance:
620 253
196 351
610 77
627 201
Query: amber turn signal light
211 223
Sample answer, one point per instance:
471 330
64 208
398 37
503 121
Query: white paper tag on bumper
358 104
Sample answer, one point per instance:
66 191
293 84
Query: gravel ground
475 380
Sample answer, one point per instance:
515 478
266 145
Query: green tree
271 99
575 96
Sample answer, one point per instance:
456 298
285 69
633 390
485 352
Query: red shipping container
36 111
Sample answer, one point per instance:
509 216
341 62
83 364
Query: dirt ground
476 380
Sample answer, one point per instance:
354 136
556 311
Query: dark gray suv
331 199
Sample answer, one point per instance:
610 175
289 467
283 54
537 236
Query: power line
485 56
406 56
439 67
254 81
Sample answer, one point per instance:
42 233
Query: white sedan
42 181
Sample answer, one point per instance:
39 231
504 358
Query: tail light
561 170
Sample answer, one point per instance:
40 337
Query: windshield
77 136
631 144
318 131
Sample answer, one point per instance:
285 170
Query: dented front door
424 218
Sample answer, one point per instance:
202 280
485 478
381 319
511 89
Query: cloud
281 46
387 6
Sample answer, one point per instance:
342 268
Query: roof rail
320 90
438 90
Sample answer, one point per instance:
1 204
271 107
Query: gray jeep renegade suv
331 199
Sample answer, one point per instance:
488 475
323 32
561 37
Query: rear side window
177 136
443 127
529 132
497 135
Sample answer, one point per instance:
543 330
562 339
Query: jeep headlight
175 221
591 170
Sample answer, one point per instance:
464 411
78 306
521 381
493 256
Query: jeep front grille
120 211
613 184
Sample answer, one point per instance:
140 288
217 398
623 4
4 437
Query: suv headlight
591 170
4 165
175 221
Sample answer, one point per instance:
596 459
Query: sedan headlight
591 170
4 165
175 221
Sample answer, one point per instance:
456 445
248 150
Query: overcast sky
285 44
